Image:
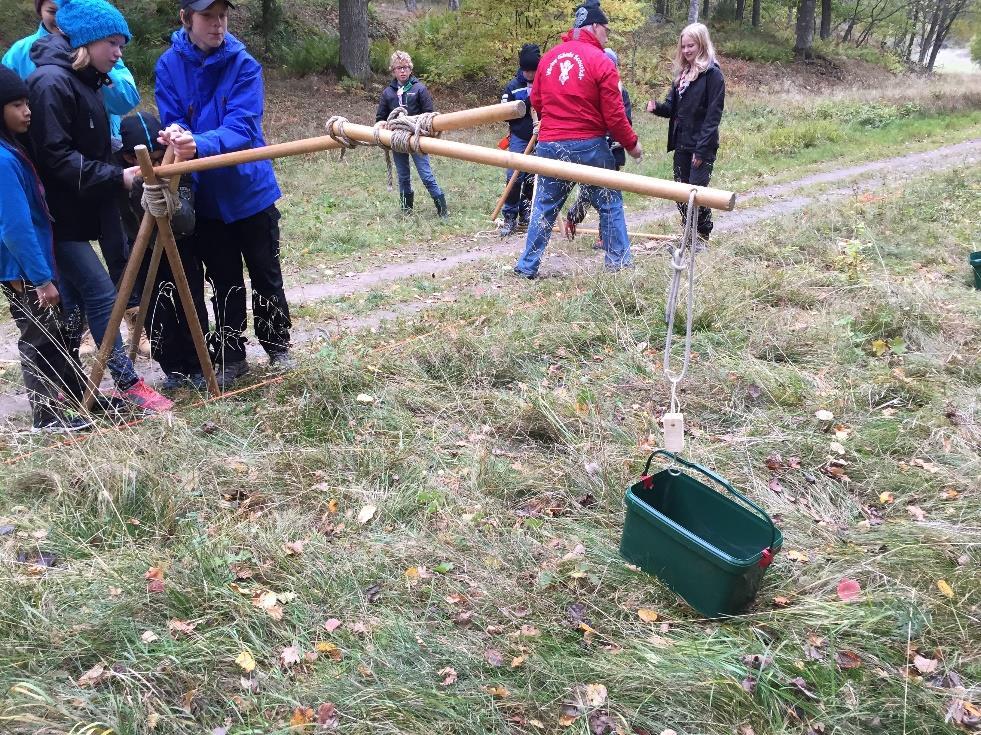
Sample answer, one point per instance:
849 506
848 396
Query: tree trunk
693 11
803 47
926 43
705 10
353 22
951 11
825 20
270 14
756 13
908 54
740 11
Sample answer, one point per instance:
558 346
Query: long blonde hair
706 53
81 58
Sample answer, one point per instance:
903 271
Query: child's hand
383 124
651 104
129 174
185 147
637 152
48 296
696 161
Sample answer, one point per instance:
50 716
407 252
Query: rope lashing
159 200
682 260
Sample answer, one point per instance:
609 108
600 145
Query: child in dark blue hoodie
210 98
517 207
27 271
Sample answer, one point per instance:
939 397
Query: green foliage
976 49
798 136
758 50
19 20
314 55
379 54
866 114
885 58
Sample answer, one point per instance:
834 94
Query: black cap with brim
198 5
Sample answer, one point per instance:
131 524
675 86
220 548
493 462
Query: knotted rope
159 200
406 130
682 259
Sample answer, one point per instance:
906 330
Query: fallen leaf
332 624
444 567
756 661
916 512
780 601
366 514
748 684
886 498
293 548
333 652
925 665
494 657
945 588
774 462
775 485
497 692
246 662
178 627
155 580
328 718
837 448
601 723
290 656
849 589
518 661
800 685
824 415
365 399
847 660
647 615
149 636
449 676
96 675
301 717
529 631
595 695
798 556
568 714
842 431
879 347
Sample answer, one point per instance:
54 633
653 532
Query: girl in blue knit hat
70 133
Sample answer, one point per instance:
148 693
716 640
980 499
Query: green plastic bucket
705 546
975 260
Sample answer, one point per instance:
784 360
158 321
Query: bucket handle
768 552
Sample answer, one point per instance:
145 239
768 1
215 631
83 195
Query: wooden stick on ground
443 122
630 233
513 180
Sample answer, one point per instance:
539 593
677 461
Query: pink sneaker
146 398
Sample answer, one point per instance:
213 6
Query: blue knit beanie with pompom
85 21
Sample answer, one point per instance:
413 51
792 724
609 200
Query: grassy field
417 531
766 138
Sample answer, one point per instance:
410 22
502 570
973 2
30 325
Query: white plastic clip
674 431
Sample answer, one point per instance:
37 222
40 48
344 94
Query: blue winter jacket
120 97
219 98
26 241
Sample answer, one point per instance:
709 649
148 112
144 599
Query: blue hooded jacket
219 98
25 226
120 97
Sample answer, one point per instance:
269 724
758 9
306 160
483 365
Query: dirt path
784 199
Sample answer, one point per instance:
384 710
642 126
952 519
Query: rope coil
159 200
682 260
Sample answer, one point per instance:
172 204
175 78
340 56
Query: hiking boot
146 398
569 228
63 425
282 360
87 348
441 209
508 227
405 201
142 343
598 245
526 276
230 372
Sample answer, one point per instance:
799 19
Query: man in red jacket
577 96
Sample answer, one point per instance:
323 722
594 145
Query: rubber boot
441 209
406 200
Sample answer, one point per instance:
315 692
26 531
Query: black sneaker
230 372
282 360
63 425
508 227
526 276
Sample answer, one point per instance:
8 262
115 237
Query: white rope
682 259
159 200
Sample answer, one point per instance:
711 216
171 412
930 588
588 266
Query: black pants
699 176
222 247
166 327
48 357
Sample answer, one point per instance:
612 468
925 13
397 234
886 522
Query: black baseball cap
198 5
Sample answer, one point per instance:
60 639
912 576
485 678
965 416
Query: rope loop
159 200
682 260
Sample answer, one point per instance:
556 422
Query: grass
456 484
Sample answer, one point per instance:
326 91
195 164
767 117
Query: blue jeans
522 187
86 288
423 169
552 194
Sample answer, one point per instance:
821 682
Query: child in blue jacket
27 271
210 98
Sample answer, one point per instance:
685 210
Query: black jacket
131 207
70 132
695 115
416 100
519 88
620 155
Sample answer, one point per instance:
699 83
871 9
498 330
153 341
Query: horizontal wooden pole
556 169
630 233
443 122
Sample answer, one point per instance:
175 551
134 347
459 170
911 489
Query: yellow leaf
332 651
302 716
879 347
647 615
886 498
945 588
245 661
518 661
498 692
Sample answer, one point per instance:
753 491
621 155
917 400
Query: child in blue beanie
70 133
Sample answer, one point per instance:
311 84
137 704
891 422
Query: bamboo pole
513 180
630 233
443 122
591 175
165 239
151 274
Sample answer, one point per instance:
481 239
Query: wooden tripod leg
151 274
513 180
125 290
165 239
